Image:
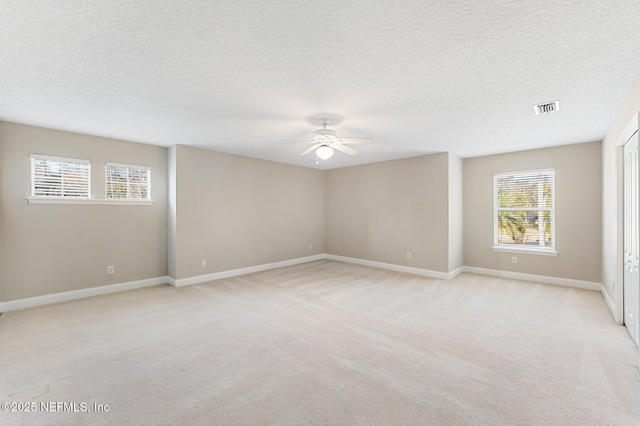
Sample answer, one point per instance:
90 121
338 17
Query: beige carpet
324 343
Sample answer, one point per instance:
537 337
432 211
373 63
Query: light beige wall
578 185
236 212
172 218
612 192
381 211
456 213
51 248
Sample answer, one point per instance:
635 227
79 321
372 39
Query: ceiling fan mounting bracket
325 132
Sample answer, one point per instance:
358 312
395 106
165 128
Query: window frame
51 199
57 198
497 246
128 199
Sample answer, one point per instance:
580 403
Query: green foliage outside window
127 182
524 203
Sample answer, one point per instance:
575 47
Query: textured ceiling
245 76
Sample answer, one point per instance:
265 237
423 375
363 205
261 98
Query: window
55 177
127 182
524 211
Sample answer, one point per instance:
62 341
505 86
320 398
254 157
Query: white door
631 293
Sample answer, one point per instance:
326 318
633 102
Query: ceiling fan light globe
324 152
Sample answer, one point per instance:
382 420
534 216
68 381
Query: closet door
631 293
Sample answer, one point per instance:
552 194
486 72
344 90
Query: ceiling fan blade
294 143
343 148
353 141
311 148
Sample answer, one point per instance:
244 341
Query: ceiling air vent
546 107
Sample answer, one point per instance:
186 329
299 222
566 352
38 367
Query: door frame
631 299
628 132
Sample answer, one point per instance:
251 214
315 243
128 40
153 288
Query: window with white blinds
524 210
126 182
56 177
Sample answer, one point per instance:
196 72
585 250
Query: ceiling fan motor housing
325 132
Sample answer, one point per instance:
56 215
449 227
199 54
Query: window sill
88 201
528 250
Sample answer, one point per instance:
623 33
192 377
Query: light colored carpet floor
325 343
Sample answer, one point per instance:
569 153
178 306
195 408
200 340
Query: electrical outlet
514 259
204 263
408 255
110 270
310 247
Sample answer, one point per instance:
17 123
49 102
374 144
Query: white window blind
127 182
524 210
56 177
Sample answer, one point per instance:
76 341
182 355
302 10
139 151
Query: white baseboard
456 272
30 302
566 282
131 285
241 271
608 301
391 267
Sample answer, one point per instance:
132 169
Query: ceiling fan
325 141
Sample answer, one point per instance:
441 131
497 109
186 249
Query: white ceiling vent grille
546 107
